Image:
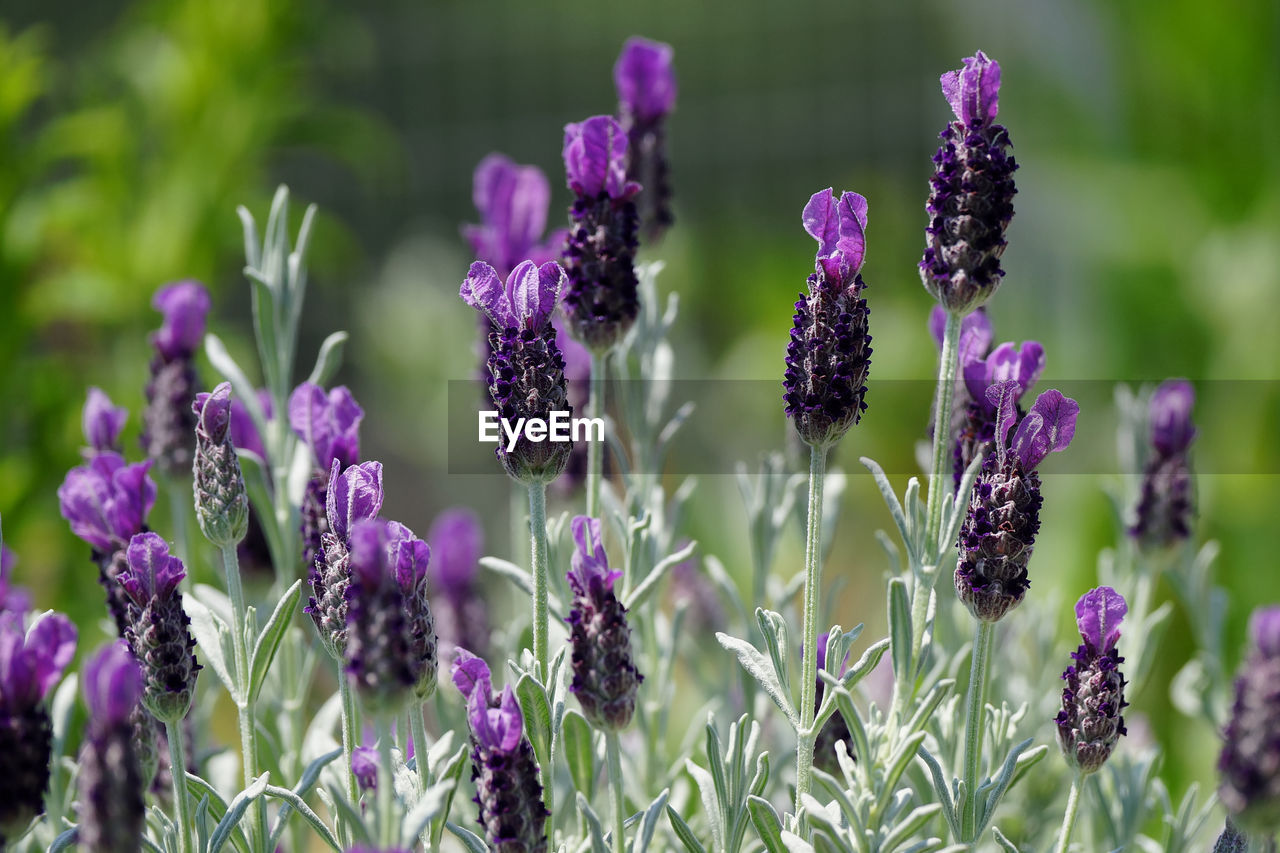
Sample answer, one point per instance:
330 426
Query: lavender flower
646 84
997 535
13 599
1091 721
503 767
364 766
836 729
352 496
1163 514
512 201
1022 365
102 423
167 421
462 618
605 678
111 780
31 662
1231 840
244 435
600 303
526 367
391 644
106 502
971 192
222 506
829 355
329 423
159 632
1250 760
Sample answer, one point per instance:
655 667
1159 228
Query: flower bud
222 506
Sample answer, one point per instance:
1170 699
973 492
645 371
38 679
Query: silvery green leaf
329 359
346 812
897 765
300 806
235 811
308 780
768 825
1005 844
522 579
909 826
891 551
774 630
649 822
61 709
213 637
892 502
451 771
796 844
640 593
936 695
319 739
264 651
64 841
214 599
941 790
762 671
198 787
761 778
579 751
865 664
844 703
955 509
900 626
710 803
473 842
537 715
430 805
715 765
684 833
598 844
202 824
1001 783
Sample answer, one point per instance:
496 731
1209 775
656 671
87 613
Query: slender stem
419 731
244 706
812 589
538 559
386 784
595 449
179 504
614 758
350 723
974 728
1069 819
178 770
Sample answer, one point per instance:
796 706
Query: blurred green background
1146 242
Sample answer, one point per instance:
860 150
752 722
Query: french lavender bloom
352 496
462 616
836 729
1163 514
106 502
1091 721
159 632
605 678
971 192
600 302
1250 760
646 84
391 642
364 766
1231 840
31 663
111 780
1008 361
512 201
167 421
329 423
525 365
102 422
503 767
999 531
222 505
825 383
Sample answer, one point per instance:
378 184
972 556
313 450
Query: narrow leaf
329 359
235 811
594 830
767 824
210 633
301 807
684 833
264 651
762 671
579 751
473 842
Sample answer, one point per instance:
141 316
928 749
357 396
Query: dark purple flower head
32 661
185 306
459 542
512 201
595 158
645 78
102 422
496 722
152 572
213 413
527 299
1250 760
328 423
824 386
112 684
589 567
1007 362
222 504
1165 508
107 501
364 766
244 435
353 495
1171 428
974 91
1091 721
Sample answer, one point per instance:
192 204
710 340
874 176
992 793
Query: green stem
614 758
386 784
974 728
538 560
595 449
1069 819
812 589
178 765
179 504
419 731
350 723
244 706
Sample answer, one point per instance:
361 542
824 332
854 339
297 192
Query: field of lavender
1010 618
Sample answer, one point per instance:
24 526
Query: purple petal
1170 412
459 541
1003 398
595 158
470 672
1098 615
133 494
645 78
976 376
83 498
821 220
17 675
352 496
51 644
1264 629
214 413
112 683
973 91
185 306
512 201
409 557
364 766
244 435
482 290
1023 365
1047 428
367 544
533 292
506 721
152 572
328 423
102 421
589 559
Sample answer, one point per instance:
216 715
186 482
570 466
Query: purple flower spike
595 158
112 683
1047 428
1098 615
1165 508
589 563
512 201
1171 428
328 423
185 306
525 302
222 504
103 422
1250 787
645 78
839 226
353 495
107 501
973 92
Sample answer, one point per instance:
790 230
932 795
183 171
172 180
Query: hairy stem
178 765
538 560
244 704
1069 819
812 589
350 724
595 449
614 758
974 728
419 733
386 784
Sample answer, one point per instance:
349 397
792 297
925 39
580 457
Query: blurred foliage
1145 243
